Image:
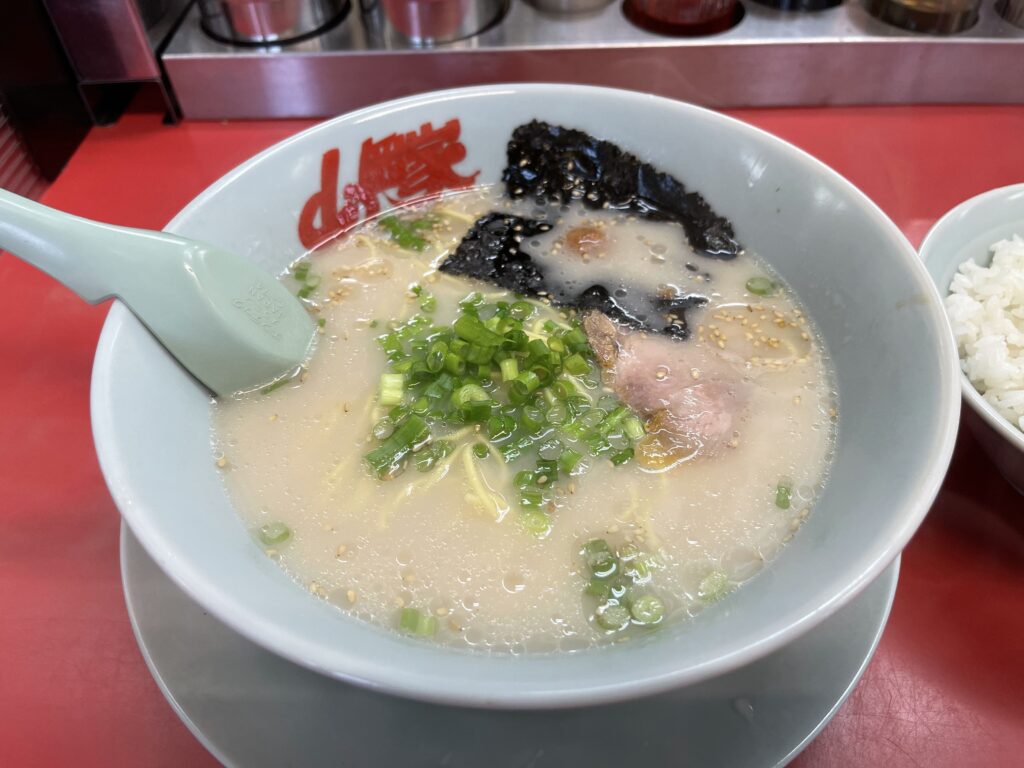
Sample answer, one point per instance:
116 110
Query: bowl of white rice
975 254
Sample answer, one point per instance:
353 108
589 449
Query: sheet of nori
553 164
556 165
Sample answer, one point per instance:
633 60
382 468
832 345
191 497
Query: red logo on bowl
404 167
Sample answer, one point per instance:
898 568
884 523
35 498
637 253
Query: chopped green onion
576 338
481 451
387 458
530 498
760 286
422 624
543 374
321 321
539 349
525 383
576 365
392 386
509 369
272 534
612 616
403 233
647 609
633 428
783 495
532 419
638 570
516 339
276 385
472 330
301 271
620 458
473 301
601 588
524 479
522 310
382 429
476 412
713 586
454 364
500 427
469 393
602 564
569 460
535 523
429 457
479 354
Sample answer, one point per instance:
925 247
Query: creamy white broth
372 547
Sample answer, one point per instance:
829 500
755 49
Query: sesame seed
222 462
351 595
342 549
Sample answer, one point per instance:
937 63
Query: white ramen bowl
964 233
859 278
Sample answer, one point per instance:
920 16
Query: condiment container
936 17
430 22
683 17
265 22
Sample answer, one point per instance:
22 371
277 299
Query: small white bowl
878 311
968 231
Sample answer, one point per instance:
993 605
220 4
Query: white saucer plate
251 708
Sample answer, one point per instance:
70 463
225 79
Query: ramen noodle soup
535 421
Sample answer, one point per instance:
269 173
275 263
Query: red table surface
945 688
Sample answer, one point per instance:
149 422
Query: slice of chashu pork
691 399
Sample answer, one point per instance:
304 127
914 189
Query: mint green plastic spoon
232 325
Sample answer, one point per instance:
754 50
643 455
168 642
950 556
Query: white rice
986 309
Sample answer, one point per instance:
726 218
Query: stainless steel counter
771 58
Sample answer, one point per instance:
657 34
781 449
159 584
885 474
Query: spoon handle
94 260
